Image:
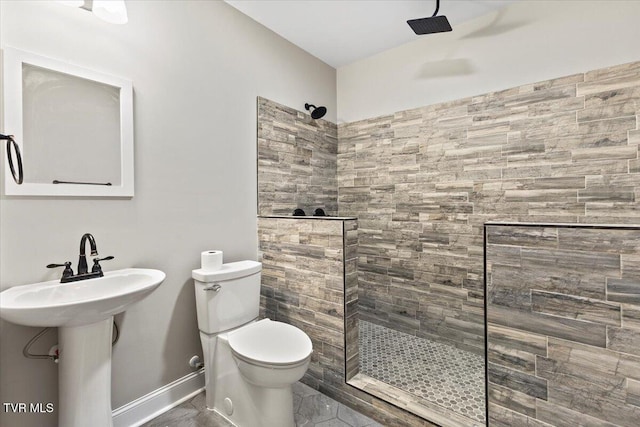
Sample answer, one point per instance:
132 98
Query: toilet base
234 398
275 405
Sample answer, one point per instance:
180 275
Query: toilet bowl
271 354
250 364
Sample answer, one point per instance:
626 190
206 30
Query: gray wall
529 41
197 69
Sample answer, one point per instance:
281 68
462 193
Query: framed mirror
74 127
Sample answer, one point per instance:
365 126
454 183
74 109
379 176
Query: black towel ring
17 177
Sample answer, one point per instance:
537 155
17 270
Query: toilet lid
271 342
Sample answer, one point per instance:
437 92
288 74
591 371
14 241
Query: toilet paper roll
211 260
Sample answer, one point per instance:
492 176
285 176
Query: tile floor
436 372
312 409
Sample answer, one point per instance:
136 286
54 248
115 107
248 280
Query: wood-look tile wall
351 314
563 310
303 271
297 161
309 280
423 182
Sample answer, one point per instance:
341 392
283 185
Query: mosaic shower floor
436 372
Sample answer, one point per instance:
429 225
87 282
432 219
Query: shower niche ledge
325 218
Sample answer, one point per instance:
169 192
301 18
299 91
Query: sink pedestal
83 311
85 375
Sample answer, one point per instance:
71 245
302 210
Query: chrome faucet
82 261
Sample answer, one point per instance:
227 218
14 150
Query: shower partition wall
297 161
563 312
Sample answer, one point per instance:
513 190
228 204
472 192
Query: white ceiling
343 31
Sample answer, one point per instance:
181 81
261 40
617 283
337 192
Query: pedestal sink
83 311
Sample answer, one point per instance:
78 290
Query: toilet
250 364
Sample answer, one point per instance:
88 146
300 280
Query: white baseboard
159 401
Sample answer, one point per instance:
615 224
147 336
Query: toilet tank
228 297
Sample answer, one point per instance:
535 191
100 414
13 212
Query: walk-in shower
417 189
413 317
560 300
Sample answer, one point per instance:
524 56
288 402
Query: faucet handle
96 263
68 272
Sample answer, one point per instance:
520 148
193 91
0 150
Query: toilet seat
271 343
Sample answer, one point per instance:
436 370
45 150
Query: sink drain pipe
25 350
26 353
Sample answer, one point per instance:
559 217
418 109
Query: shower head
318 112
434 24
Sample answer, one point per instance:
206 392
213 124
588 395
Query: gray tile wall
303 270
309 280
423 182
563 306
351 326
297 160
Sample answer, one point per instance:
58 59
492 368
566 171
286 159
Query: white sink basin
77 303
83 311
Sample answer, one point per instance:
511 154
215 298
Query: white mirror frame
13 125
